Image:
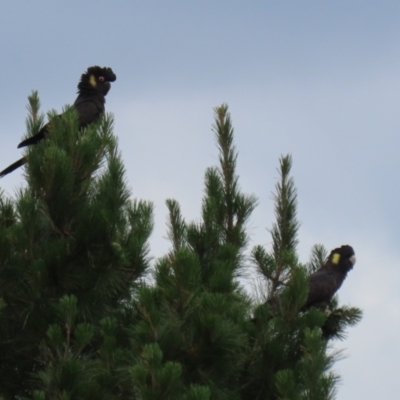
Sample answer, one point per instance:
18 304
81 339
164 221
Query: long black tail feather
35 138
13 167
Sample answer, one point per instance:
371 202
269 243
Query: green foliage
79 321
289 347
195 312
72 248
155 380
317 258
277 265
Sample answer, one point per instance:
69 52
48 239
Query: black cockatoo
326 281
89 105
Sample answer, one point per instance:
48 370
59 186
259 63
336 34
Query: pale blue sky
317 79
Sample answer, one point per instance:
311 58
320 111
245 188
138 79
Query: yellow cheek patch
336 258
92 80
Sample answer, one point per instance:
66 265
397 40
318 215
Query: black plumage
326 281
89 105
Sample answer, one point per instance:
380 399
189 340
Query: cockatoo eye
101 78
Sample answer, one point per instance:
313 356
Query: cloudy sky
316 79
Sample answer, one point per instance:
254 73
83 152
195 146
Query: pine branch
176 225
277 265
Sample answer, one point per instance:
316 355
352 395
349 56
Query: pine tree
77 321
72 246
290 356
198 317
196 313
